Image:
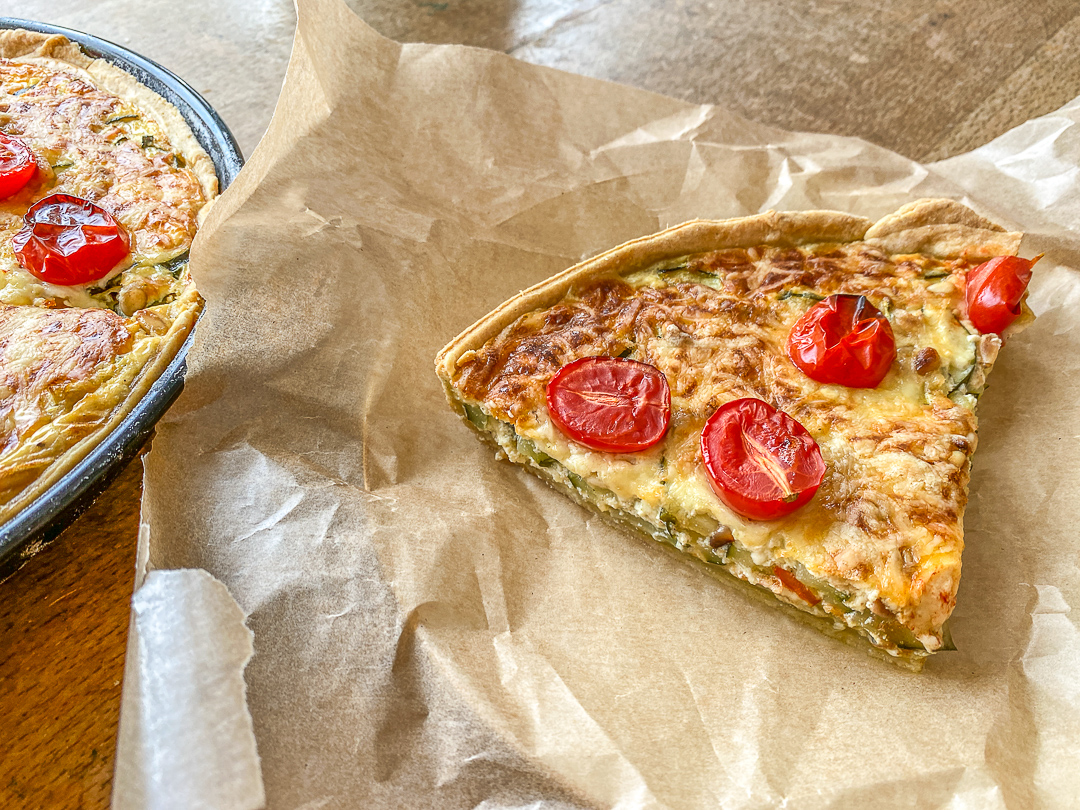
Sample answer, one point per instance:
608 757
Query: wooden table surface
927 79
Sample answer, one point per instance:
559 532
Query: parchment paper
434 628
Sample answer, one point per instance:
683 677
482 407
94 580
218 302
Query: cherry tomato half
68 240
844 339
610 403
994 290
17 164
760 462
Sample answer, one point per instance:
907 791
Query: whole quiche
102 187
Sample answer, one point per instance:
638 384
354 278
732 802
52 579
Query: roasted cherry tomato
994 291
68 240
17 164
762 463
844 339
610 403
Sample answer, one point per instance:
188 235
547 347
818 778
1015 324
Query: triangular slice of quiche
787 397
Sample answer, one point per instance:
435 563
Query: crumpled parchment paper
434 628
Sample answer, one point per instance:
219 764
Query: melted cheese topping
885 528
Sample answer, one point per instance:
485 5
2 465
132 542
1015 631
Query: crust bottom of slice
881 638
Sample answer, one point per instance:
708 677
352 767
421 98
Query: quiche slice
663 384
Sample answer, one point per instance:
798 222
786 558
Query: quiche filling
877 550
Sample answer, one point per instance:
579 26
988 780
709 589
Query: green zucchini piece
963 378
476 416
809 296
527 448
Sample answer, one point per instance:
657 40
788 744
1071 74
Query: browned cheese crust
50 361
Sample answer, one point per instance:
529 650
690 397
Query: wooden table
922 78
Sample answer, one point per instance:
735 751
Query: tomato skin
844 340
68 240
17 165
610 403
994 290
760 462
789 581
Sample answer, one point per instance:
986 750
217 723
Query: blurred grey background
927 79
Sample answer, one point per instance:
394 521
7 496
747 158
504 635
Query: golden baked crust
711 304
75 360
